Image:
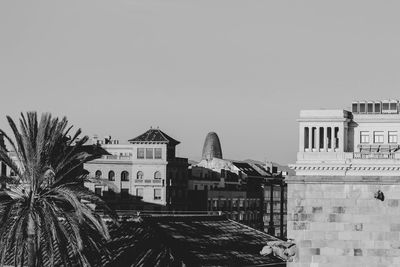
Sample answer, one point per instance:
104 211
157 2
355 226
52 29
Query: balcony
148 181
374 155
117 157
363 157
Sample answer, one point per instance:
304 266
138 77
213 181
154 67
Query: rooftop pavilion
334 142
375 107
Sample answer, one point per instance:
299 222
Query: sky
243 69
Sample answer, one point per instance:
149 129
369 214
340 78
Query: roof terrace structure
340 142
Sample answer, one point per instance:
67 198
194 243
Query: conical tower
212 147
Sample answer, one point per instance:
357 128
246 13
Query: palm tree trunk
31 242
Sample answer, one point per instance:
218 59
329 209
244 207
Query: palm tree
44 210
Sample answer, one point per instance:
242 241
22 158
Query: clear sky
243 69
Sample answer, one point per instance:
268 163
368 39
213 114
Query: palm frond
43 209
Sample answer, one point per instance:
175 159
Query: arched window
111 176
98 174
125 176
139 175
157 175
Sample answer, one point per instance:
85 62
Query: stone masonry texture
335 222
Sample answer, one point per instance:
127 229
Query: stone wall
337 221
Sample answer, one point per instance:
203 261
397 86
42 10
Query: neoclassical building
146 167
343 202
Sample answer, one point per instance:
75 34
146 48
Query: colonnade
321 138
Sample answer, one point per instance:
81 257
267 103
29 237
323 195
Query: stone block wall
337 221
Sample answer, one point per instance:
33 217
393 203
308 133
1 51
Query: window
362 107
140 153
385 106
149 153
370 107
157 153
355 107
111 176
124 176
364 137
98 174
157 194
377 107
139 192
139 175
379 137
97 191
157 175
393 106
392 137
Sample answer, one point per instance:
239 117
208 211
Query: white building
340 142
343 202
146 167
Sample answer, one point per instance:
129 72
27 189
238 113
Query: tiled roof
154 135
194 240
214 241
247 168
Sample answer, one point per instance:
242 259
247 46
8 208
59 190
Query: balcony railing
148 181
117 157
374 155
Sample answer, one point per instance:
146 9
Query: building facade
343 202
146 167
243 191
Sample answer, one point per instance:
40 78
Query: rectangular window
392 137
140 153
215 203
377 107
149 153
379 137
370 107
355 107
393 106
157 153
364 137
97 191
139 192
157 194
362 107
385 106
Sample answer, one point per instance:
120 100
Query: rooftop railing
117 157
374 155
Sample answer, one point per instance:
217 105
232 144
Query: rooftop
154 136
194 240
246 168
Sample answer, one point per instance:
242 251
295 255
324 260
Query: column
302 134
317 138
310 134
325 138
340 139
